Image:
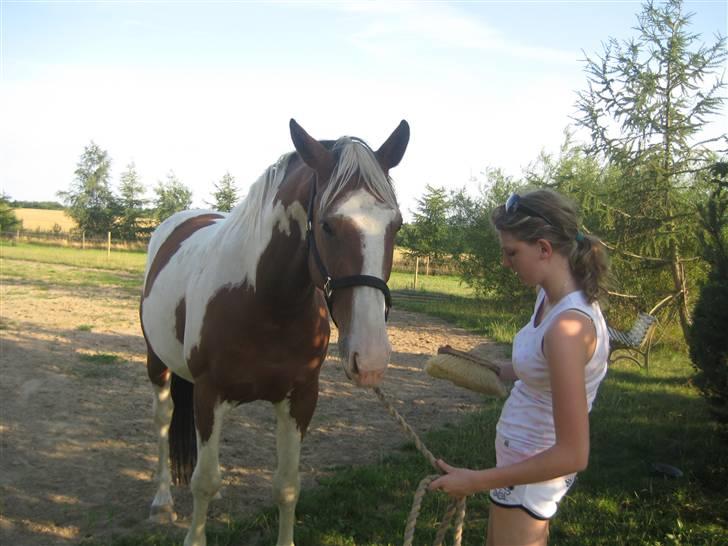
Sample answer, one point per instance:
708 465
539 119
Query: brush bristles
467 374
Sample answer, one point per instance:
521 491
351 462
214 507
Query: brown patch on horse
265 343
389 239
180 314
156 370
173 242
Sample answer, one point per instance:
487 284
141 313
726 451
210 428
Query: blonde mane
354 156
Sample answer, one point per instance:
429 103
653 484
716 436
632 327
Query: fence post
417 268
108 246
83 240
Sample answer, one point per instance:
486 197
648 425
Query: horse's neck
270 247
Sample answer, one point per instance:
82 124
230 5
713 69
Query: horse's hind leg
206 478
286 482
162 509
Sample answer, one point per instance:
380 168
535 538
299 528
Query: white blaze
367 331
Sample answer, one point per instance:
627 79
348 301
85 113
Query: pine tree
131 203
226 194
647 108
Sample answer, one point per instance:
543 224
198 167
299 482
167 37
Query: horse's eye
327 228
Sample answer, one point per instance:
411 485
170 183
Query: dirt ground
77 450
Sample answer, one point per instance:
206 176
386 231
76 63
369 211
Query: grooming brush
466 370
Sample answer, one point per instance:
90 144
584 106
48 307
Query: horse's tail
182 435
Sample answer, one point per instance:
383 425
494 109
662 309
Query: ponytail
590 266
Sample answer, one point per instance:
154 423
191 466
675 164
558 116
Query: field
44 220
76 424
78 450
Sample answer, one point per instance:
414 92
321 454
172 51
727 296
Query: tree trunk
680 282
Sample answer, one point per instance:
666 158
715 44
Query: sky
204 88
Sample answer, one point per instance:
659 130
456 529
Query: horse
236 307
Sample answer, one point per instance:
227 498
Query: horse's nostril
354 365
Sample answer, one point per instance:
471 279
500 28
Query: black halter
345 282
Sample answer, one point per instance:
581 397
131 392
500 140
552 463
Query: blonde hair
586 254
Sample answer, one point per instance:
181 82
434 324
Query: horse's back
164 231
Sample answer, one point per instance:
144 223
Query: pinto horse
235 308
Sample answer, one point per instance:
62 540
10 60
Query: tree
479 260
646 108
225 194
90 201
429 227
708 340
172 196
8 220
131 204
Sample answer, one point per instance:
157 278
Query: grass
118 261
619 500
638 419
100 358
98 365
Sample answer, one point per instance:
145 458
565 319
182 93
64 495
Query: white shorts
540 500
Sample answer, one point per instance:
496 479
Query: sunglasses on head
514 204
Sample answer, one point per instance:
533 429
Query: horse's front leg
286 481
289 432
206 480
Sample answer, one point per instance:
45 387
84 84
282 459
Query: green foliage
428 234
44 205
646 108
131 204
8 220
172 196
479 258
708 339
226 194
89 200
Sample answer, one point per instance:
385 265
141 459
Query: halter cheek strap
330 285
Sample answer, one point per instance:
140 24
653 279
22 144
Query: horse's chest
252 353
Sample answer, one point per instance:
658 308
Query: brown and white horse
236 307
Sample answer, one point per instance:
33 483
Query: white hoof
162 514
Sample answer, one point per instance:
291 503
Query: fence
402 262
71 239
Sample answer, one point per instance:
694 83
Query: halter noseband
345 282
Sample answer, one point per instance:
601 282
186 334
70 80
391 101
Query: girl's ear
545 248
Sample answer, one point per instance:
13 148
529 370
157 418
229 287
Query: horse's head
353 219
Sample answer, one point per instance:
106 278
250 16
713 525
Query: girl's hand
457 482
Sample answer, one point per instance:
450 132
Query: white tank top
527 419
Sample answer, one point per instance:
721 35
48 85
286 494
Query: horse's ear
313 153
390 153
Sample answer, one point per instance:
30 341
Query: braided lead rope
456 506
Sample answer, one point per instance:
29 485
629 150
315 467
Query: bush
709 346
708 339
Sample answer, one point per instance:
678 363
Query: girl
559 359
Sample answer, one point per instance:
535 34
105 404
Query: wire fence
402 262
72 239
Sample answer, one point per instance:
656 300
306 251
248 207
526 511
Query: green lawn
639 419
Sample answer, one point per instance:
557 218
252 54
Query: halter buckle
327 288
